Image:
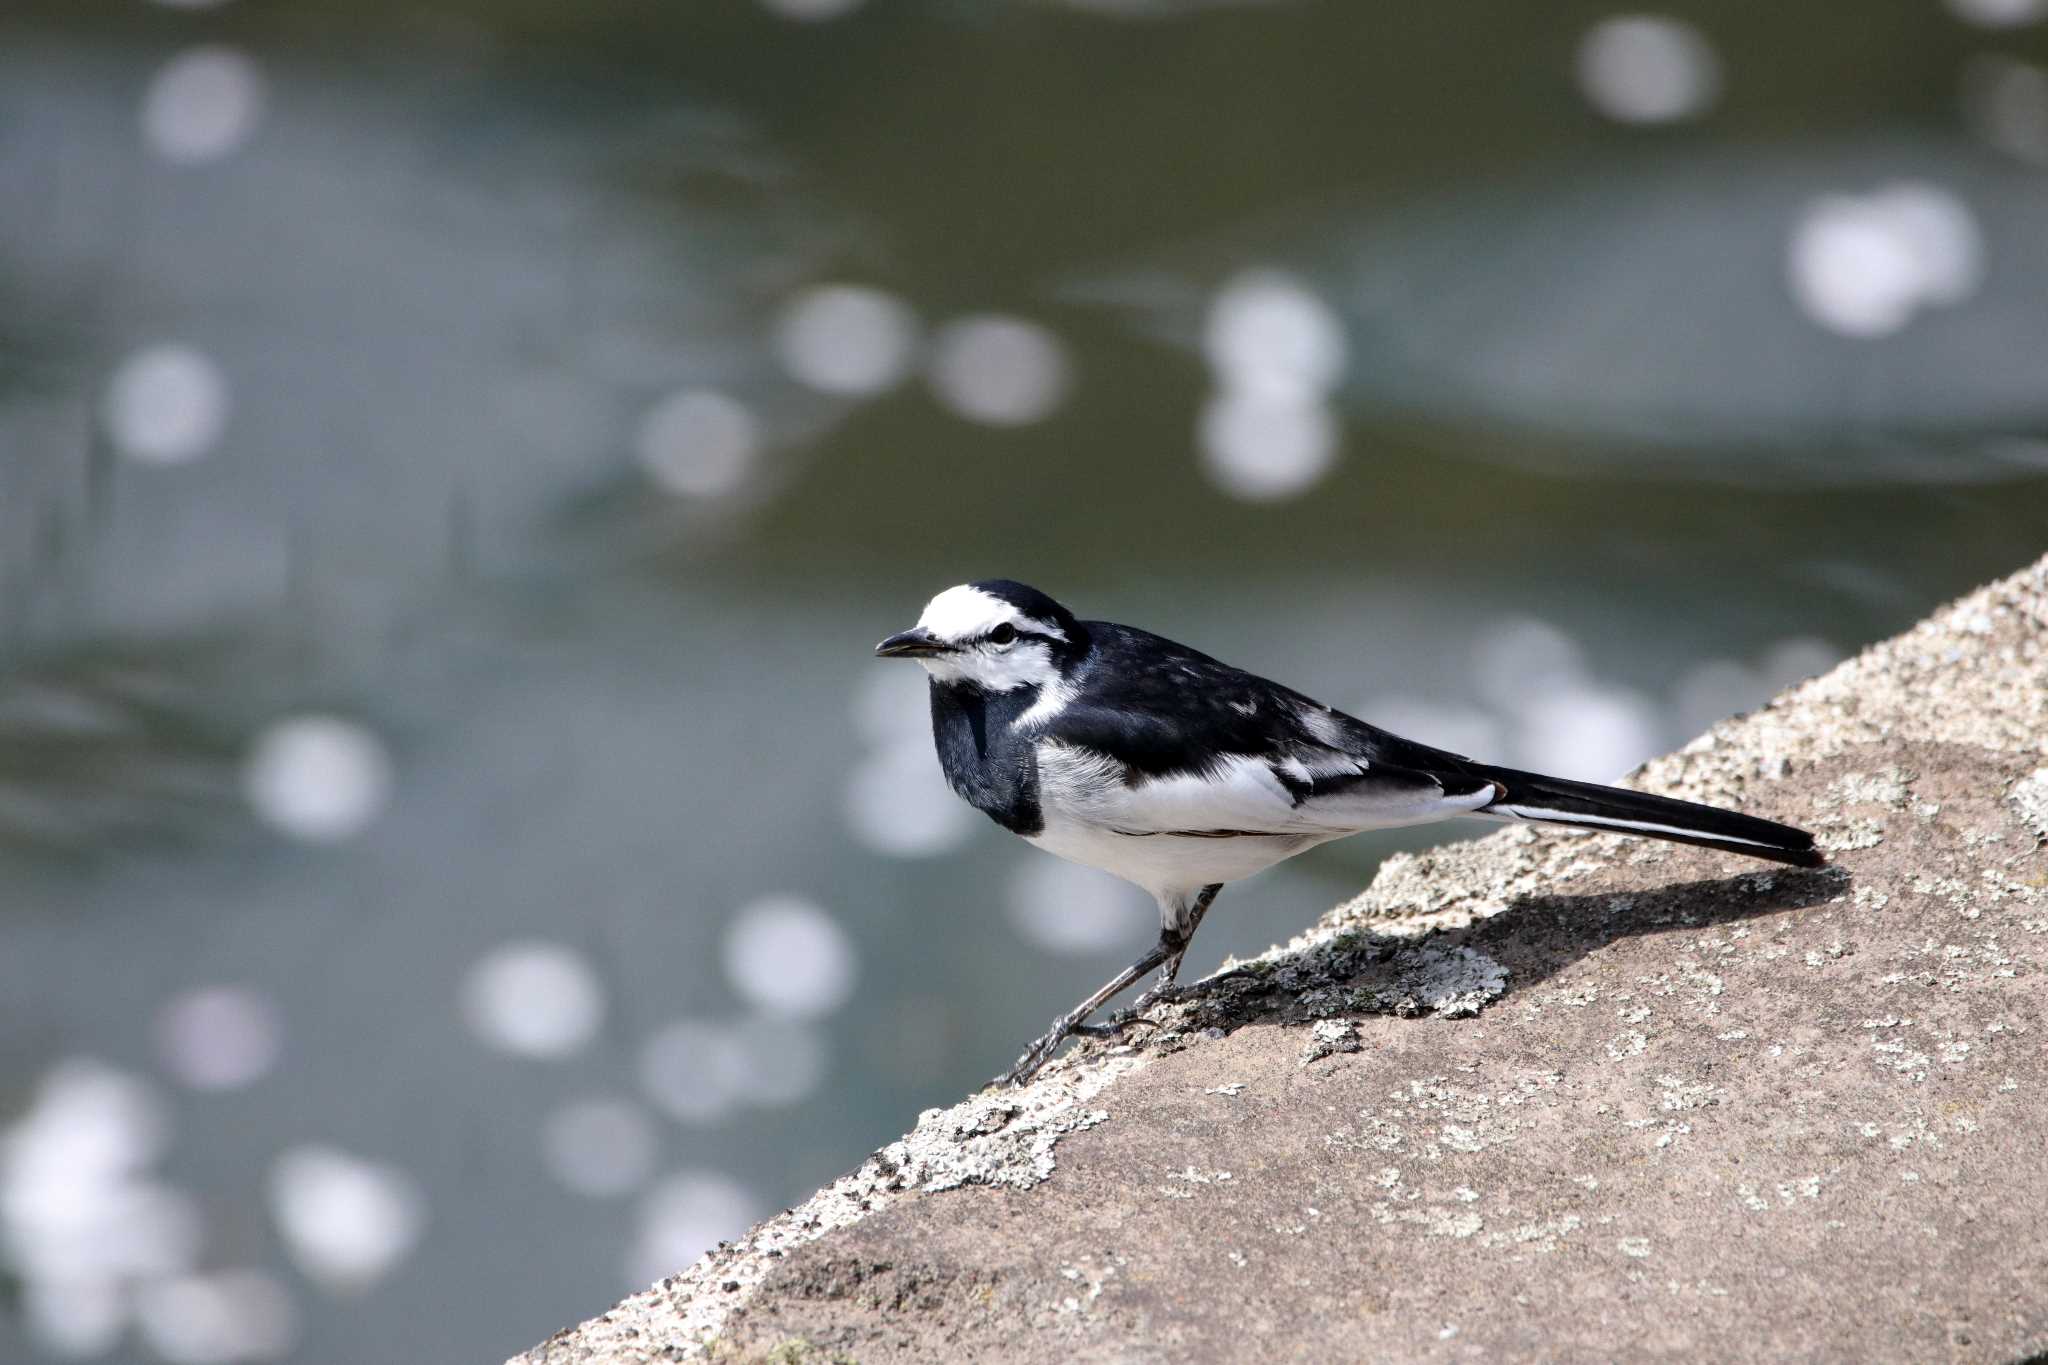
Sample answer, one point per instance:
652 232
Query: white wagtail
1123 751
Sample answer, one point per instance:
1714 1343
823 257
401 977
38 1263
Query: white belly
1175 834
1167 865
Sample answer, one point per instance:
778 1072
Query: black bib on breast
984 761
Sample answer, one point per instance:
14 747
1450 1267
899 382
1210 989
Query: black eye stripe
1003 633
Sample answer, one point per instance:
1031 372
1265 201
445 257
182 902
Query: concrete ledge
1539 1095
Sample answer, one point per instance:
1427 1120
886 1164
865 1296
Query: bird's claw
1167 993
1039 1053
1115 1026
1158 995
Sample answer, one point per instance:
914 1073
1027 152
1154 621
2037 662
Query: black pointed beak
916 643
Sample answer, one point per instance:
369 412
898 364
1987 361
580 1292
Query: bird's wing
1103 767
1159 738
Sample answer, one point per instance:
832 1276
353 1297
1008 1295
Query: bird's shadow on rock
1538 936
1460 971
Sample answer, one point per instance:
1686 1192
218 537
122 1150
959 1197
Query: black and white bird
1121 750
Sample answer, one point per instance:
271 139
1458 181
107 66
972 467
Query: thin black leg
1171 944
1163 989
1171 970
1166 954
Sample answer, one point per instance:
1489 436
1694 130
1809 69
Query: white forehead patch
962 613
967 613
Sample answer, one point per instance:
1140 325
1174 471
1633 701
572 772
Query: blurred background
457 857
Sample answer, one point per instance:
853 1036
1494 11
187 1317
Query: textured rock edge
1969 674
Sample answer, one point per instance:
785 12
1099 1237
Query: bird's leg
1171 970
1191 920
1172 943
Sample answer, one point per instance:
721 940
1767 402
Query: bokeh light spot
892 704
1588 731
1270 334
788 957
202 105
897 802
347 1222
784 1060
810 11
693 1071
166 405
533 998
226 1318
1000 371
1276 351
1561 719
1263 447
698 443
219 1037
1520 656
318 778
1064 908
2006 102
1646 68
600 1148
75 1317
1999 13
81 1218
846 339
1863 265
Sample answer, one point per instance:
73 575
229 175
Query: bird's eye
1003 634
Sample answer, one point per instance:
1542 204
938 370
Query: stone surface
1534 1096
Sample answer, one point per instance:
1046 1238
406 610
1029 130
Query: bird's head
994 634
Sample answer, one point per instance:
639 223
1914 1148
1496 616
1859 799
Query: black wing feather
1163 709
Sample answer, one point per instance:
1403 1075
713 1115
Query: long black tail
1557 801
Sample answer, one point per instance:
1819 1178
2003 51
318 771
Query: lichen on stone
1327 1037
2030 798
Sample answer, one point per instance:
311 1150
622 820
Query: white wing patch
1328 763
1322 725
1241 795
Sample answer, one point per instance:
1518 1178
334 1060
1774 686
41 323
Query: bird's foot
1165 993
1040 1052
1168 993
